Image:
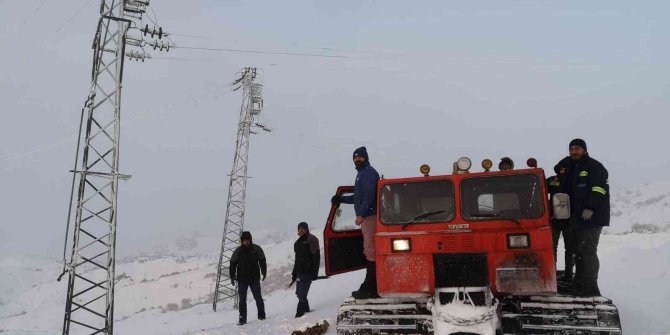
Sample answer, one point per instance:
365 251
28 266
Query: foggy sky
421 83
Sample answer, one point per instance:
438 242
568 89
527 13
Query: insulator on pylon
135 6
137 55
129 15
134 41
153 31
256 98
160 45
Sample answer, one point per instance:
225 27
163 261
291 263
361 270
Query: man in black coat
306 266
562 226
586 181
246 266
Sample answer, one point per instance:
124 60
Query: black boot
300 311
588 289
365 286
368 289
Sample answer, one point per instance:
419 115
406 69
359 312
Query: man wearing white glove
586 183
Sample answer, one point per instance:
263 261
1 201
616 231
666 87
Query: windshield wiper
493 215
421 216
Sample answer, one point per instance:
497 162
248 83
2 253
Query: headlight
464 163
518 241
425 169
487 164
401 245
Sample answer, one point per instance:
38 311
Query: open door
343 238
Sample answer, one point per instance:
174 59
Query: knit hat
578 142
245 236
303 225
362 151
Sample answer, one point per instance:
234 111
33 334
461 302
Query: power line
198 36
215 92
262 52
184 59
43 43
37 9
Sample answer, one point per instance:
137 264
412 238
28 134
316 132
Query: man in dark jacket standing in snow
586 181
365 206
246 266
306 266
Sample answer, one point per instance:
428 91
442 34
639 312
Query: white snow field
167 290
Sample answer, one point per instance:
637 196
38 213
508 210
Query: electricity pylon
252 105
89 307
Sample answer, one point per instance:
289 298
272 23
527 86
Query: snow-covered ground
167 289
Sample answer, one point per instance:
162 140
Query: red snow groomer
465 253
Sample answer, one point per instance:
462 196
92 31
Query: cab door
343 238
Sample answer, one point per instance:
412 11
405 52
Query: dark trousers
588 265
255 286
563 227
301 290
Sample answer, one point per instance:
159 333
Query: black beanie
362 151
245 236
578 142
303 225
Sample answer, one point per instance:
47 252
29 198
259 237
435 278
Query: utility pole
252 105
89 307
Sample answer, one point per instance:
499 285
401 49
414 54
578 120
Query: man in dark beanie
305 267
505 164
247 264
586 182
365 206
578 142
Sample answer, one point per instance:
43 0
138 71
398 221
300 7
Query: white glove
587 214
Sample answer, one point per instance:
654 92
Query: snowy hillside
167 289
645 208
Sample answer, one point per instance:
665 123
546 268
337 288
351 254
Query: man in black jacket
306 266
586 182
246 266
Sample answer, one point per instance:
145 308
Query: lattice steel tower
89 307
252 105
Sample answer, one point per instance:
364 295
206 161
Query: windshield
417 202
502 197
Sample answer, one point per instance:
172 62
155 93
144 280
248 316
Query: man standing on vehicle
562 226
365 206
246 266
306 266
587 185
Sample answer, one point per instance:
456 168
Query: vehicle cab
465 229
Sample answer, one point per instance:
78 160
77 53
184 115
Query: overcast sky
419 82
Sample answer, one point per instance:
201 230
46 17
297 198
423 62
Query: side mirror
561 205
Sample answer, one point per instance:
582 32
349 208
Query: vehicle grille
460 270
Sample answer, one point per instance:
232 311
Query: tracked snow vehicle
465 253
